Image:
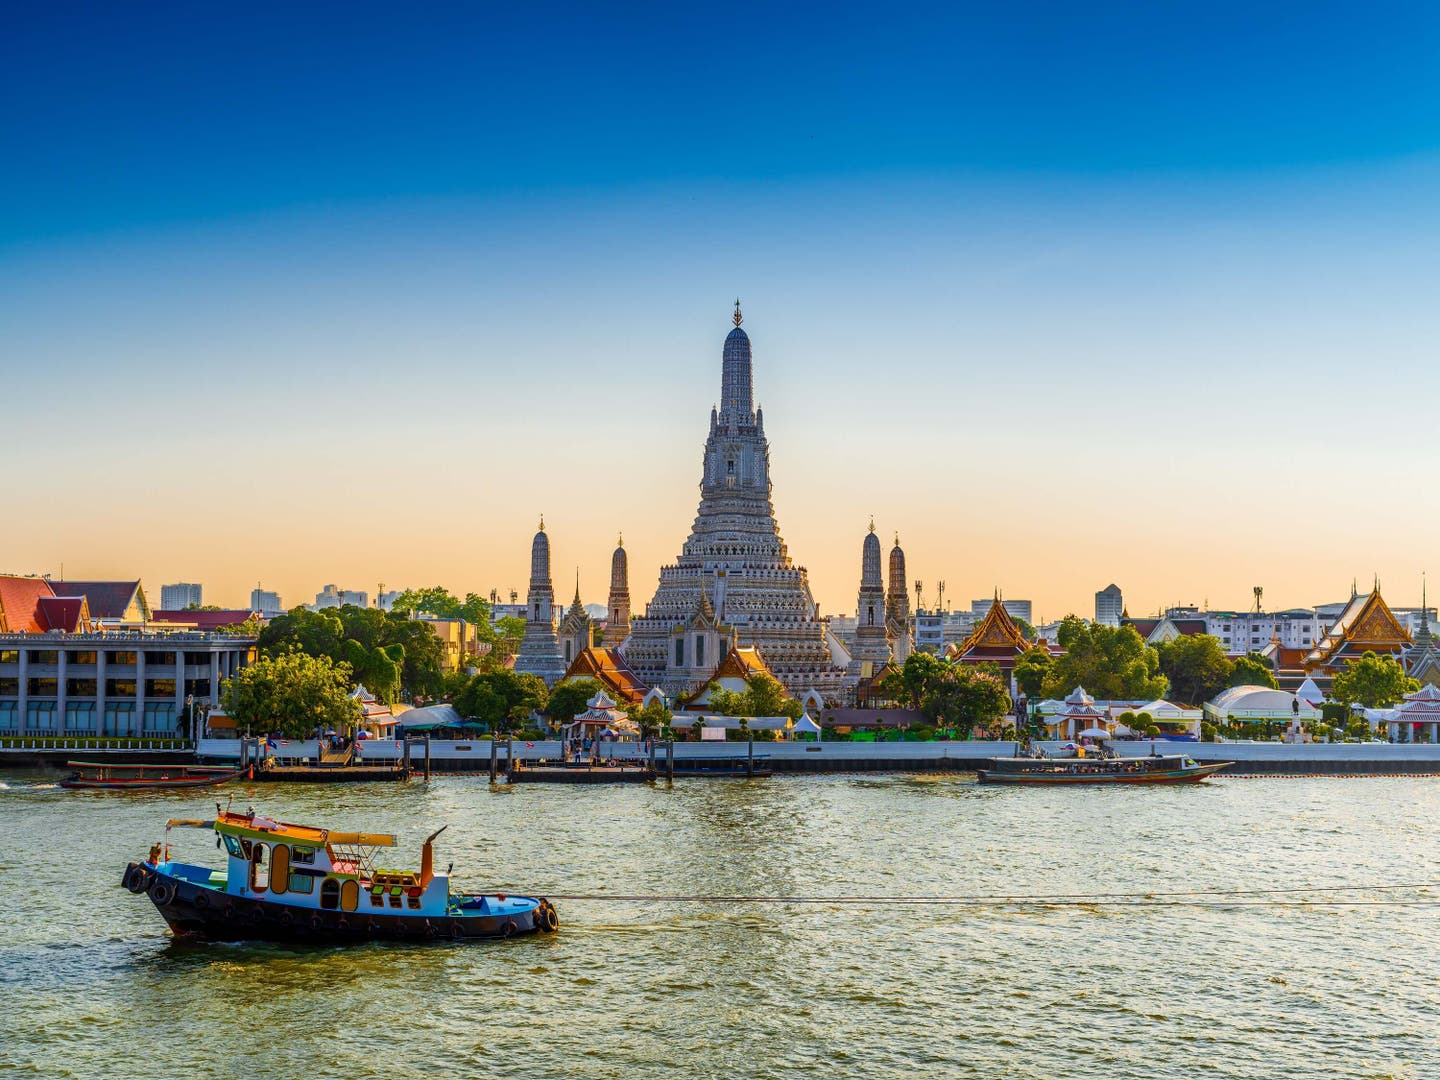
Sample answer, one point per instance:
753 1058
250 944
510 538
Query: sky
1064 294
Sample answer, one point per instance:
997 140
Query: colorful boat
298 883
105 776
1139 770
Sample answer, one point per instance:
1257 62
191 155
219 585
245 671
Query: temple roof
608 667
19 603
68 613
741 663
996 634
107 599
1367 623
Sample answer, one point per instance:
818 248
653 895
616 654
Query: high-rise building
180 596
1109 605
265 602
734 583
332 597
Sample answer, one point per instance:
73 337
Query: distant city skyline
1041 291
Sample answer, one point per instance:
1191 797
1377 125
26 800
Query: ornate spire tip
737 316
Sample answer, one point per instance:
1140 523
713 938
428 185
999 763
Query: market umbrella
1095 733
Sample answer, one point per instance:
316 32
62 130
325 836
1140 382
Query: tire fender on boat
509 928
343 923
162 892
201 901
135 879
287 917
316 922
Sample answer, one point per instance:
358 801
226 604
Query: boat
105 776
303 884
1098 770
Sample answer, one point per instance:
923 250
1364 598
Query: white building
265 602
386 600
180 596
936 629
1242 632
333 597
1109 605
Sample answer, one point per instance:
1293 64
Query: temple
1366 625
897 607
734 583
871 648
617 624
540 648
995 640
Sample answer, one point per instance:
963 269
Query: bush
1208 731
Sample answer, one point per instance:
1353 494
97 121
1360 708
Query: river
91 983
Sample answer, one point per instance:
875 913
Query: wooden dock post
750 758
670 760
494 751
427 757
407 757
509 753
244 753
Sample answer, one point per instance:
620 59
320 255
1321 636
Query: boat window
302 856
233 847
302 883
259 868
330 894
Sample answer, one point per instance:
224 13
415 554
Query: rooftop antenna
940 603
514 596
919 595
379 592
1259 591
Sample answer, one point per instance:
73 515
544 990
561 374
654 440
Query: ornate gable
996 630
1375 624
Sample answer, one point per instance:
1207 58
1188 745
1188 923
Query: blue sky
1198 240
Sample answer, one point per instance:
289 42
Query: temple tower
540 648
617 627
735 570
897 607
575 631
872 646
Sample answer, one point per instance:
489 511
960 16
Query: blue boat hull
198 911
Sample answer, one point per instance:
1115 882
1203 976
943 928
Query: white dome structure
1260 704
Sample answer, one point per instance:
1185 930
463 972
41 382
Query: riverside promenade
1265 759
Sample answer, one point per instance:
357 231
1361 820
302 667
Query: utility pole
940 603
919 595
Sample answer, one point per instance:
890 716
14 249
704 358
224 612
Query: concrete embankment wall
1270 759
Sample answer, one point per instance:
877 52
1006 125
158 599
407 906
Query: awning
220 722
1095 733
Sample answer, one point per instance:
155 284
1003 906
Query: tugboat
299 883
1115 770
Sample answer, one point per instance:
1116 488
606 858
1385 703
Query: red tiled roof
67 613
204 620
108 599
19 603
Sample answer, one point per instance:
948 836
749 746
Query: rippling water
91 983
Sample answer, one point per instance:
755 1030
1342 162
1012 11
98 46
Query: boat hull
195 911
147 785
1171 776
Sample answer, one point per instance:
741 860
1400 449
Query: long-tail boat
107 776
1136 770
299 883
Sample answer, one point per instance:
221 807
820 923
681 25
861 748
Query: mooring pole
407 757
494 749
509 753
427 757
750 758
670 760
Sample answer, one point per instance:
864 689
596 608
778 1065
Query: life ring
509 928
201 901
162 892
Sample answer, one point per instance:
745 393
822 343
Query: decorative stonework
736 560
617 625
897 607
871 650
540 648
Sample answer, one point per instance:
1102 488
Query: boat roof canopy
262 828
188 823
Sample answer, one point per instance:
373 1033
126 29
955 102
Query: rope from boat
1171 898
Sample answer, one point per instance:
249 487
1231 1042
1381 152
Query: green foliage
763 696
1376 682
1359 729
915 679
1111 662
1208 731
1032 671
390 653
963 698
1196 666
1252 669
570 698
1335 713
292 693
652 720
503 699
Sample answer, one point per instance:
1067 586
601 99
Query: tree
763 696
1196 666
1112 663
570 698
502 698
916 678
1032 671
293 694
330 633
1375 682
965 697
652 719
1252 669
